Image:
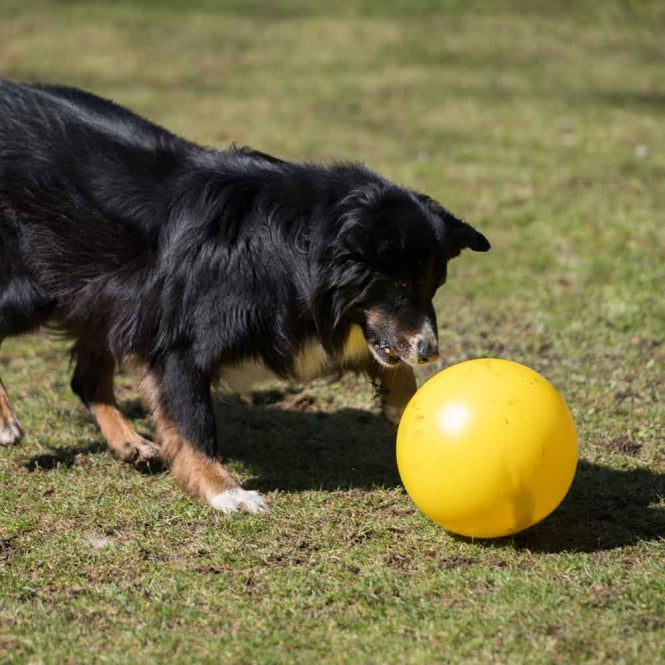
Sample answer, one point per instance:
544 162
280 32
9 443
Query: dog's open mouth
384 353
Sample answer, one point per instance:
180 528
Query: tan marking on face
390 328
381 321
377 318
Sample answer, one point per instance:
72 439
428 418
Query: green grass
544 125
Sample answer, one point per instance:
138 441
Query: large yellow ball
487 448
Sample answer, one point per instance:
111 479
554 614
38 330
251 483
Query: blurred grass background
543 124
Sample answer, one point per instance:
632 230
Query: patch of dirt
6 548
624 444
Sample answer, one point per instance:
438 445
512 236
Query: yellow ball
487 448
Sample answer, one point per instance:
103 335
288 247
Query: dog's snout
428 349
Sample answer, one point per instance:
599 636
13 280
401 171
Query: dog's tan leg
194 462
10 430
397 386
93 383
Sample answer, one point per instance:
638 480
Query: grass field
543 124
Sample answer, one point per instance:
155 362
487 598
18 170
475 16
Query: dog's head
392 249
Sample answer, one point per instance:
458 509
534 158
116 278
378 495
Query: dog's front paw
10 432
146 450
392 414
236 499
137 451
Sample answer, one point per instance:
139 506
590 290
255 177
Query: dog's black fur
134 241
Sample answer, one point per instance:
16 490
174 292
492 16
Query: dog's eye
401 285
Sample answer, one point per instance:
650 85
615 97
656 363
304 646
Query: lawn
543 124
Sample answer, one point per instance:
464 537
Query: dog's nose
428 350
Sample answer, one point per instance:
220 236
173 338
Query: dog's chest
311 362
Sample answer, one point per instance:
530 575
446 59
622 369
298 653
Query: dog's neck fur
283 219
311 362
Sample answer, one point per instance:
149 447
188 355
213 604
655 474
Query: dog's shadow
605 508
59 457
298 449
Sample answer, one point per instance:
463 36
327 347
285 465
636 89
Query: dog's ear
458 234
462 235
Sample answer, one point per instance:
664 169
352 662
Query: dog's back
53 117
73 170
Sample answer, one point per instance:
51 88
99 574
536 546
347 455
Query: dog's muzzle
427 348
421 348
417 345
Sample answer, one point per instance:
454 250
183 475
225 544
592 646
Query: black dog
203 265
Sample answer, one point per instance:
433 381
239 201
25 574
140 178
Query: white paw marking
10 433
238 499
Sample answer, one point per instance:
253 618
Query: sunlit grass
543 125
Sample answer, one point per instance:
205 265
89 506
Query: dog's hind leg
182 409
93 383
10 430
